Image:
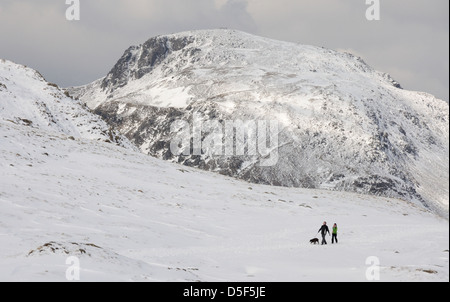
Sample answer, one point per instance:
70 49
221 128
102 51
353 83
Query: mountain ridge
28 99
343 125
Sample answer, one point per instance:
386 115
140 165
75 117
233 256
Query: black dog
314 241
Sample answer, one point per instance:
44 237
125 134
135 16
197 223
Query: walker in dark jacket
324 230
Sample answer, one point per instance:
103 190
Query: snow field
130 217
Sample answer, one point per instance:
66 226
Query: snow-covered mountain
341 125
127 216
26 98
72 197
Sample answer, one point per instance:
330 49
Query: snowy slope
71 186
26 98
342 125
130 217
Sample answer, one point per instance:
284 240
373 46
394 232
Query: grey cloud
410 42
36 33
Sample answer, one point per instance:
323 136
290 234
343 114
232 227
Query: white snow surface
130 217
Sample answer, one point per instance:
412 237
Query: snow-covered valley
130 217
71 186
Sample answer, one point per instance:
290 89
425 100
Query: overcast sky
411 41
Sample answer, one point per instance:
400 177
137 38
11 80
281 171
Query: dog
314 241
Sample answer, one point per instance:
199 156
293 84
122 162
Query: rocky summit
341 125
